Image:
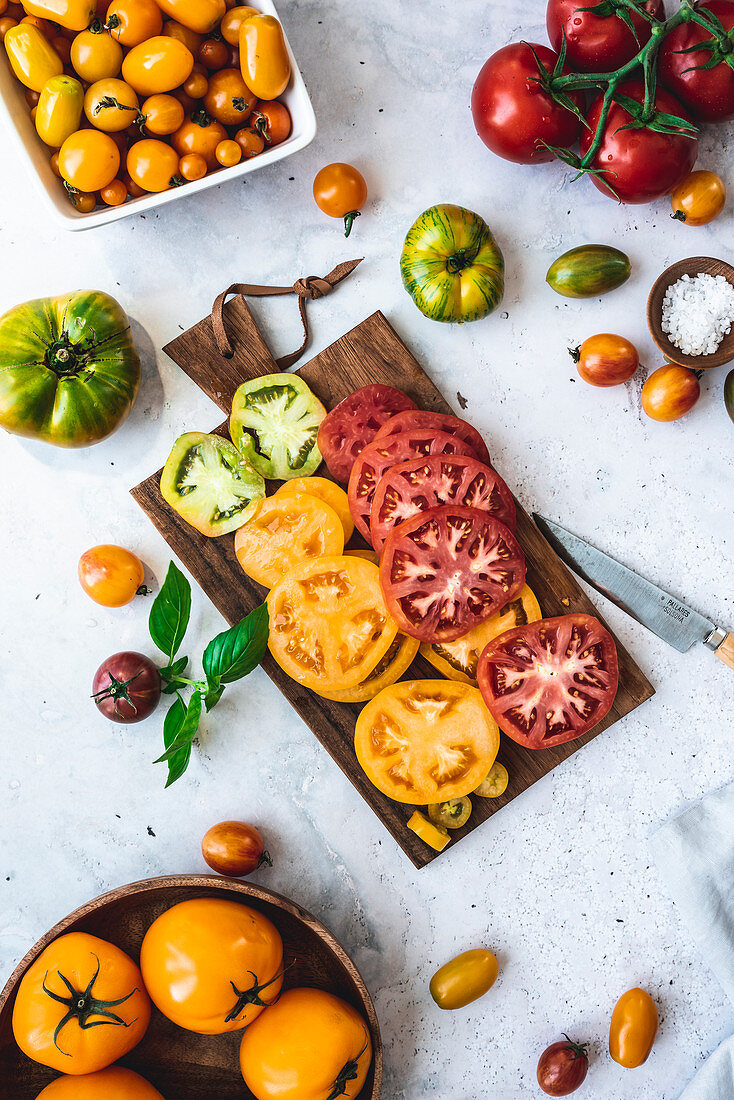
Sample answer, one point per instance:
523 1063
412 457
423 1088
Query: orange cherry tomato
233 20
190 39
3 6
114 194
228 153
699 199
133 21
633 1028
201 16
32 97
228 99
163 114
234 848
133 190
670 392
157 65
42 25
16 11
95 55
185 100
6 24
111 105
606 360
89 160
110 575
54 162
83 201
213 54
250 143
197 84
192 167
153 165
200 134
272 119
341 192
34 112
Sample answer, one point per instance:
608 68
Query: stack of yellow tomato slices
138 96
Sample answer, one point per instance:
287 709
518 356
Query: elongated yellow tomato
114 1083
157 65
88 160
633 1028
266 68
95 54
285 531
464 979
32 57
59 110
435 836
201 16
328 491
73 15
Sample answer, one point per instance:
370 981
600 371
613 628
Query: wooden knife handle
725 651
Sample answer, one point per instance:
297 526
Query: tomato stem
82 1004
349 221
250 996
580 1050
458 261
117 690
349 1072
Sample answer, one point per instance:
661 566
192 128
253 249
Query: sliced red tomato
377 458
424 483
443 422
354 423
550 681
448 569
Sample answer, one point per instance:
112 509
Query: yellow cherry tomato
228 153
633 1028
114 1083
199 134
73 15
95 55
341 192
89 160
266 68
59 110
192 167
201 16
699 199
114 194
496 782
233 20
163 114
111 105
153 165
435 836
191 40
464 979
133 21
157 65
32 57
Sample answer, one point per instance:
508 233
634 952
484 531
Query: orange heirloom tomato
212 966
199 134
699 199
266 68
32 57
284 531
633 1028
341 192
190 39
192 167
233 20
201 16
157 65
311 1045
162 114
250 143
89 160
328 491
76 984
271 119
228 99
111 105
74 15
464 979
133 21
228 153
605 359
95 55
114 1083
153 165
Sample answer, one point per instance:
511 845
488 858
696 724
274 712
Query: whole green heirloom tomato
452 267
69 370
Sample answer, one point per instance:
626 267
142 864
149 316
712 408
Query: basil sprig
229 657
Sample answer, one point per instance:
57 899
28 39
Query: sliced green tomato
495 784
452 814
274 423
209 483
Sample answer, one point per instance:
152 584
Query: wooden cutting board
370 353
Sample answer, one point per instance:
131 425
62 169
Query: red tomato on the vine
707 93
513 114
639 165
597 44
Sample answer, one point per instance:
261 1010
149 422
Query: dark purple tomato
127 687
562 1067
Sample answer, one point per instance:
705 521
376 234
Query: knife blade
671 619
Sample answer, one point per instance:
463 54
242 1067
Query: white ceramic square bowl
29 147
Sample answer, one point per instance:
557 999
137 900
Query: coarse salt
698 313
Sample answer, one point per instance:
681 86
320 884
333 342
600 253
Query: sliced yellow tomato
435 836
328 491
495 783
285 531
426 741
329 627
396 661
458 660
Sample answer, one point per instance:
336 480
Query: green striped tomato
69 371
452 267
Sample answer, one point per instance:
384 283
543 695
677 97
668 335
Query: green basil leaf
176 668
237 651
170 613
174 720
187 730
214 693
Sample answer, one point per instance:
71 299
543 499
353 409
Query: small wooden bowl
182 1065
694 265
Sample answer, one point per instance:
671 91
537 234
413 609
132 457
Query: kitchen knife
674 622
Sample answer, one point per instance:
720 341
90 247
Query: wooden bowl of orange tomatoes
118 106
148 923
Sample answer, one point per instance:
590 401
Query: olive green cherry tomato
274 423
464 979
452 814
588 271
69 371
59 110
451 265
496 782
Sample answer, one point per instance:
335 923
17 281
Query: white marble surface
560 883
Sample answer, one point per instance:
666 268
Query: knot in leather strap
312 287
